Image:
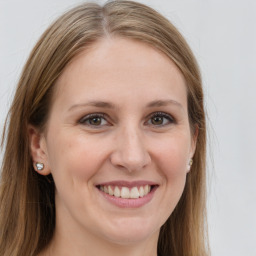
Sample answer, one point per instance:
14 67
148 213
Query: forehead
123 66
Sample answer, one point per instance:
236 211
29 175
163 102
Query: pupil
95 120
157 120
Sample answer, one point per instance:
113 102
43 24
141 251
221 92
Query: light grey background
222 34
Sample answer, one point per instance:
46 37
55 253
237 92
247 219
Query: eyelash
89 118
86 119
162 115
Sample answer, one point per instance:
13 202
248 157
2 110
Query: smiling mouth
126 192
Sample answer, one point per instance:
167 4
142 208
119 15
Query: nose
130 151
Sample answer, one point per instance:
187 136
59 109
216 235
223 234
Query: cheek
73 156
172 156
174 169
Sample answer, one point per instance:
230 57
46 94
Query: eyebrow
103 104
98 104
163 103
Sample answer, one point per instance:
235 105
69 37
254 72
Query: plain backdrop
222 34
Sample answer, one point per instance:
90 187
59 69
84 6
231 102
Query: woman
105 141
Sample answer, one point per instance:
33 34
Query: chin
131 232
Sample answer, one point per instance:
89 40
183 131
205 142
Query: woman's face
118 142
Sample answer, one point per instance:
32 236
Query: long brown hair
27 208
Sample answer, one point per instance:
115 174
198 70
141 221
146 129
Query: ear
38 150
194 136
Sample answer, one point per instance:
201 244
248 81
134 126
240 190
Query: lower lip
129 203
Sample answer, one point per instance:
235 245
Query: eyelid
87 117
164 115
92 115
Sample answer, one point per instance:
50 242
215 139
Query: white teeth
125 192
110 191
146 189
117 192
141 191
134 193
106 189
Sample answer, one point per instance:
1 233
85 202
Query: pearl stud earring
39 166
190 164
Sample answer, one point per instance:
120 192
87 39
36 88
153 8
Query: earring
190 164
39 166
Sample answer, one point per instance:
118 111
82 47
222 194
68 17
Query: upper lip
128 184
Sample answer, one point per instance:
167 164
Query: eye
160 119
94 120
